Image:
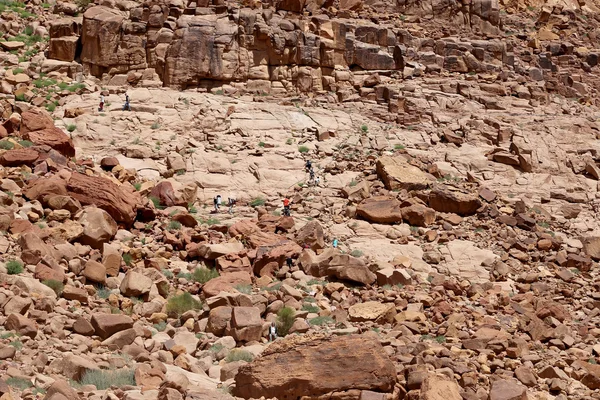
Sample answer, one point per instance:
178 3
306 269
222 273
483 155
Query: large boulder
226 283
331 263
439 387
507 389
172 193
98 227
18 157
396 173
380 209
591 246
135 284
54 138
35 120
246 324
317 366
22 325
107 325
119 202
372 311
311 235
445 200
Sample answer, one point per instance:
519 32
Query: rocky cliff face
296 44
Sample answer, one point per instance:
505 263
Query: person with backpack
101 107
231 202
217 203
286 207
308 165
126 106
272 332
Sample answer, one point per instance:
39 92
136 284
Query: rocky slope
456 150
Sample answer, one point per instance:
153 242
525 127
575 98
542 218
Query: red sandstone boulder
323 365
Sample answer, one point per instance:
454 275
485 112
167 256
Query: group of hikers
315 180
231 201
217 201
126 106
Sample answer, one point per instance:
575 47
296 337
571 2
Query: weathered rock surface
324 365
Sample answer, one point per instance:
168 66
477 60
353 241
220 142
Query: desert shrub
318 321
19 383
181 303
104 379
356 253
303 149
239 355
161 326
55 285
6 145
257 202
174 226
203 275
246 289
14 267
102 292
285 320
71 127
25 143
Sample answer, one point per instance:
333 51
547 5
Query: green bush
203 275
55 285
174 226
17 344
356 253
310 308
102 292
399 146
127 259
104 379
246 289
285 320
261 144
137 186
155 125
303 149
318 321
71 127
82 4
6 145
156 202
168 274
239 355
25 143
259 201
50 107
177 305
14 267
364 128
20 97
19 383
161 326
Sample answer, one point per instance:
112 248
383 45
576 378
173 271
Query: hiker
317 181
289 261
272 332
286 207
101 107
334 244
217 202
126 106
308 165
312 175
231 202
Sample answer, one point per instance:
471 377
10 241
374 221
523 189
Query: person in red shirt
286 207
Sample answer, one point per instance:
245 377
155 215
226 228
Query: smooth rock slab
300 366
